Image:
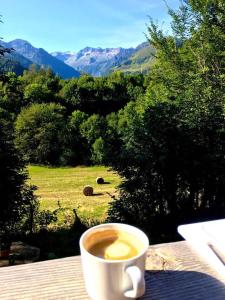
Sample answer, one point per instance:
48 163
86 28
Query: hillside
139 62
26 54
14 62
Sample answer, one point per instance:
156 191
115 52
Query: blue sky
70 25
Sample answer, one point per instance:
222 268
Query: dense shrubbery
172 150
13 189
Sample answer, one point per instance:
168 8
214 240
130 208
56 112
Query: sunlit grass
65 185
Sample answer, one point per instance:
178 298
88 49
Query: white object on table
113 279
207 238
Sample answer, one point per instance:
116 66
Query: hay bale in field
88 190
99 180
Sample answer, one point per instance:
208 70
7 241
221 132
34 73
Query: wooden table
173 271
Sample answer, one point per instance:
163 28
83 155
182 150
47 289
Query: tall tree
40 130
12 175
12 168
172 152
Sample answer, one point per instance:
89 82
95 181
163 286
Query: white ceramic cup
114 279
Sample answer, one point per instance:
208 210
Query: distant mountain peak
101 61
21 41
41 57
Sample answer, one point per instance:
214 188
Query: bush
40 130
13 191
175 172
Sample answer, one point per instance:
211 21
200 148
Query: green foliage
140 62
76 150
12 176
30 209
41 76
88 95
83 95
14 200
45 218
172 148
40 85
98 151
93 128
37 93
40 131
11 93
194 57
101 95
13 190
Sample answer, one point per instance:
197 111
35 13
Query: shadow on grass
97 194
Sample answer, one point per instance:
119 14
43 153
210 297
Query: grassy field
66 186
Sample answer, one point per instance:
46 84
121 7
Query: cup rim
123 226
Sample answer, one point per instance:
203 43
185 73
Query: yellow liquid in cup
113 244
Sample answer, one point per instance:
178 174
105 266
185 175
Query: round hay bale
99 180
88 190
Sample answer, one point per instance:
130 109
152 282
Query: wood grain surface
173 271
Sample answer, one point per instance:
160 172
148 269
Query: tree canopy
172 148
40 131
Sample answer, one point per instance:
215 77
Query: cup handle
138 281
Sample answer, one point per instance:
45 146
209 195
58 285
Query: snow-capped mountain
100 62
95 61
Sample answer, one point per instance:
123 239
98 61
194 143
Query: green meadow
64 187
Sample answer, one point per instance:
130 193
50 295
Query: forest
163 133
64 122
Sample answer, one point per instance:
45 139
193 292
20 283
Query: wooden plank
173 271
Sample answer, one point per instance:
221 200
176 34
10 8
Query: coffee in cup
113 259
112 244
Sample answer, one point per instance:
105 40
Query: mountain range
94 61
26 54
100 62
